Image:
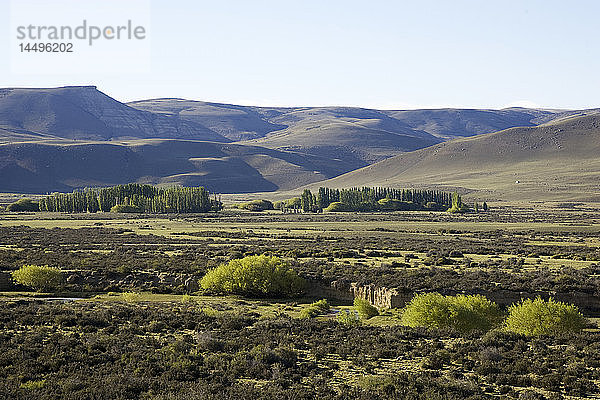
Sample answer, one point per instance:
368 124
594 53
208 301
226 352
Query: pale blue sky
380 54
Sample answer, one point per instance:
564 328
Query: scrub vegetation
243 304
463 313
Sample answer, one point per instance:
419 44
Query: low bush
125 208
396 205
533 317
364 308
187 299
256 205
38 277
254 276
462 209
348 317
432 205
33 385
294 202
338 206
131 297
23 205
463 313
317 308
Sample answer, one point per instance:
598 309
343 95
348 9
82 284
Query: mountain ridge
85 113
229 147
556 160
37 167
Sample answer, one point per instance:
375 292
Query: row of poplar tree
143 198
357 198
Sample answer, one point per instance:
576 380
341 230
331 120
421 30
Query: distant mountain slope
343 132
12 135
231 121
58 165
250 122
450 123
83 112
555 161
70 137
358 134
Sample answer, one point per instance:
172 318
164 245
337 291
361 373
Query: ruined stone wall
378 296
383 297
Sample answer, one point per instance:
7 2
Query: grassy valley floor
140 329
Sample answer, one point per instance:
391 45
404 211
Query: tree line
373 198
133 197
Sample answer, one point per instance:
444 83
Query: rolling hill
85 113
450 123
71 137
60 165
362 136
357 135
554 161
233 122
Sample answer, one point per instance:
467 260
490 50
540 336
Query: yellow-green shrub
131 297
364 308
540 317
315 309
294 202
38 277
463 313
33 385
125 208
337 207
255 276
348 317
256 205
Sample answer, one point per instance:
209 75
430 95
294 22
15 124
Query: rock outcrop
383 297
136 280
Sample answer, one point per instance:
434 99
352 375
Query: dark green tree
23 205
306 200
146 198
